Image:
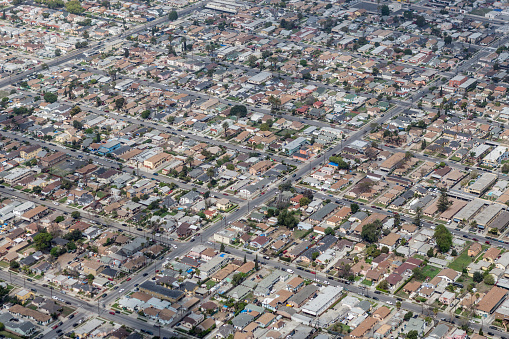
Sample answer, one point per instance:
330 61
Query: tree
478 277
37 189
237 279
489 280
443 238
77 124
385 10
58 52
60 218
329 231
55 252
221 249
418 217
397 220
256 263
385 249
75 215
304 201
354 208
173 15
431 252
303 63
418 274
119 103
408 316
75 110
448 40
43 241
423 145
74 7
145 114
371 232
383 285
288 219
443 201
50 97
239 110
412 334
14 264
420 21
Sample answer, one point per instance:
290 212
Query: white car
56 203
121 290
389 302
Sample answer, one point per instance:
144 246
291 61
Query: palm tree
225 128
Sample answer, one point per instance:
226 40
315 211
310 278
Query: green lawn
461 262
430 271
10 335
299 233
367 282
210 284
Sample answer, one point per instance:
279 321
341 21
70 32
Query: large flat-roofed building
470 210
491 301
52 159
486 216
456 206
161 292
156 160
213 265
318 305
500 222
390 164
482 184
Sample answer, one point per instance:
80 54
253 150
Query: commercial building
318 305
481 185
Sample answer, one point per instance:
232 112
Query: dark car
491 333
378 292
71 316
376 298
145 274
59 330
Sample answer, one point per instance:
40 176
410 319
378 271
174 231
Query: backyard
461 262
